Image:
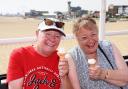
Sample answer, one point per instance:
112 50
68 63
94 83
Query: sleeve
15 66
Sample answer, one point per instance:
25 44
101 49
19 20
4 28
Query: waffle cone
61 55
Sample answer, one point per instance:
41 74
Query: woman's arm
117 77
16 84
66 83
116 80
122 74
72 72
63 72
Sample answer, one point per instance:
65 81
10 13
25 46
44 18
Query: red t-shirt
39 72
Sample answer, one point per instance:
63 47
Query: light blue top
80 61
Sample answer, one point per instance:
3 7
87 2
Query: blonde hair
85 22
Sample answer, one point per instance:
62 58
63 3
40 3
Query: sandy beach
14 27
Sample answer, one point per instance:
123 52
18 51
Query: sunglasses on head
50 22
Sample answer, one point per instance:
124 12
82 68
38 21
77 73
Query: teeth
91 45
50 44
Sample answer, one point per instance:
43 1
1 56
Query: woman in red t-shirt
36 67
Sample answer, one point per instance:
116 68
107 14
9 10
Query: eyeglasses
50 22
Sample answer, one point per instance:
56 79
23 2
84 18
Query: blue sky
14 6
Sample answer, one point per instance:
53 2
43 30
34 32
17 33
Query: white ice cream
91 61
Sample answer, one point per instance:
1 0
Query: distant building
74 12
34 13
118 10
122 9
96 14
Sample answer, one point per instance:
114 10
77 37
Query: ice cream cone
61 52
92 62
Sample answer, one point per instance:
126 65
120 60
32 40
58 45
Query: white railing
17 40
7 41
112 33
68 37
27 39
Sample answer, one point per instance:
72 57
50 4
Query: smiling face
48 41
86 32
88 40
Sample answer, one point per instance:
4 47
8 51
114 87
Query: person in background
36 66
110 70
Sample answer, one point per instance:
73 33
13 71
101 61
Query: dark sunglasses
50 22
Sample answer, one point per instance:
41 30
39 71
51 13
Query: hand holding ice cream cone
63 63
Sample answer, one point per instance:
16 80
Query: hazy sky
14 6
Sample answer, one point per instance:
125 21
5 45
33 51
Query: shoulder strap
107 59
105 56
